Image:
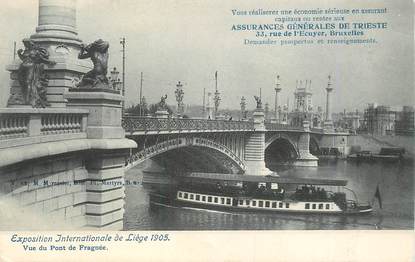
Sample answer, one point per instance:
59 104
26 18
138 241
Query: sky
187 41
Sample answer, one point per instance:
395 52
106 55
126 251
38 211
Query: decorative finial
277 89
329 88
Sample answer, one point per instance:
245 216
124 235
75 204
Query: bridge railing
19 126
147 124
317 130
278 126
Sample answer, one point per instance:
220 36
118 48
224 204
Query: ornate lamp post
114 80
122 42
179 98
243 107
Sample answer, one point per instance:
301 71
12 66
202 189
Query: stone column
255 147
277 90
328 123
305 158
105 163
57 20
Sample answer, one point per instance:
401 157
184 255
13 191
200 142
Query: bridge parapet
23 126
143 125
279 127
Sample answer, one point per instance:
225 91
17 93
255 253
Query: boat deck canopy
265 179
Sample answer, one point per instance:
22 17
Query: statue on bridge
32 76
98 52
162 105
258 102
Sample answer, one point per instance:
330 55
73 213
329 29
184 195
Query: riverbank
375 143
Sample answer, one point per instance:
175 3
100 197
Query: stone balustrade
22 126
13 126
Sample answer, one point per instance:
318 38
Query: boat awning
265 179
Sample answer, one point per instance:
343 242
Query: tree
138 109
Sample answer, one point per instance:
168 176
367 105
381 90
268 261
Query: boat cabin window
266 203
209 199
274 204
261 203
247 202
280 204
185 195
222 200
197 197
287 205
327 206
253 203
180 194
203 198
314 206
191 196
307 206
241 202
228 201
320 206
216 200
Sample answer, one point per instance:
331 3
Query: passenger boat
229 192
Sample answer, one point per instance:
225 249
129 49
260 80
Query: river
396 186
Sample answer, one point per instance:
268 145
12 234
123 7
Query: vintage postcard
207 130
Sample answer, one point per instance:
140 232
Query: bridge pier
305 158
255 147
104 195
105 189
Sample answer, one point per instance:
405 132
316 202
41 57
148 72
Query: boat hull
173 200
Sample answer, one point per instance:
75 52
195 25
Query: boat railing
354 194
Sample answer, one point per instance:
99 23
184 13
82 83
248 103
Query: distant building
404 123
388 120
303 107
350 121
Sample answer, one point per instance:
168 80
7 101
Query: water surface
395 182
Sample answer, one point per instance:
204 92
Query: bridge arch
281 146
283 136
183 142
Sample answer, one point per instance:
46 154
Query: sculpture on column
98 52
258 102
162 105
32 76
